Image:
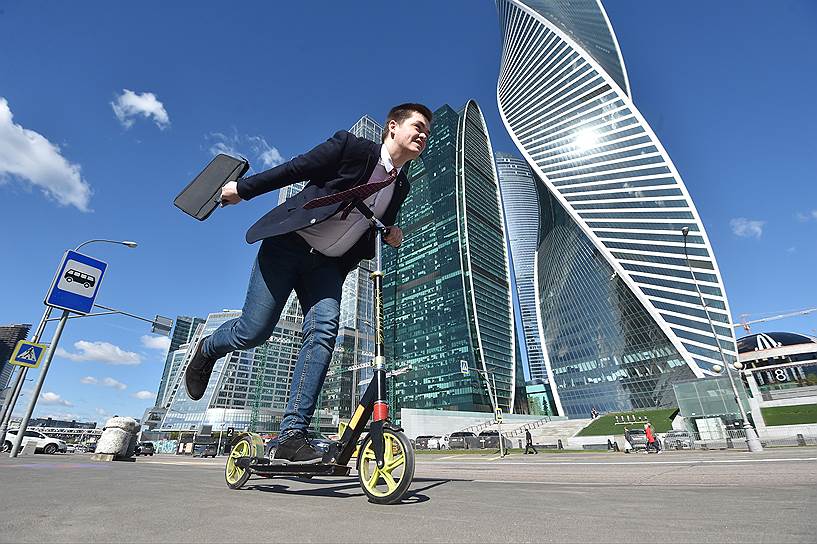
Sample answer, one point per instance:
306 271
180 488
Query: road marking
688 462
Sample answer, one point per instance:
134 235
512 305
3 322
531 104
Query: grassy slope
790 415
661 421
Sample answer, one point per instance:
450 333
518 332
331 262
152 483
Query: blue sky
108 110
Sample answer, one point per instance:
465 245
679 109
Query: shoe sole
186 389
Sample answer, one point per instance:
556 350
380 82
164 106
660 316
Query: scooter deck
262 466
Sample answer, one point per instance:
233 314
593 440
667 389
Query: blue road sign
28 354
76 284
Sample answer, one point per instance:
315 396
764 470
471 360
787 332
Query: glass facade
604 350
248 389
564 99
520 200
183 329
447 288
354 347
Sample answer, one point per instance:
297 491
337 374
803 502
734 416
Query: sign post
76 283
28 354
73 289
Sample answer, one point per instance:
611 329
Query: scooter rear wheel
389 484
236 476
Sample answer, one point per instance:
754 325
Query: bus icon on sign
86 280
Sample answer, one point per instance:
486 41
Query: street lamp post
752 440
49 356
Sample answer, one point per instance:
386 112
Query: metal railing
519 431
736 439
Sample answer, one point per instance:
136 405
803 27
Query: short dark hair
402 112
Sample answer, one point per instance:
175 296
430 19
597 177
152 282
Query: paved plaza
715 496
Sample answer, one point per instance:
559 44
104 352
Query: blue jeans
285 263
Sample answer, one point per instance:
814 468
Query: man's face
411 135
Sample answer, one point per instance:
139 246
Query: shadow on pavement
343 489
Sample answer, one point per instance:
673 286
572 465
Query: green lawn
661 421
790 415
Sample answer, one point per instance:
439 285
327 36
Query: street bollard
118 440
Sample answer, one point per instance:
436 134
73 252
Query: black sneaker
296 450
198 372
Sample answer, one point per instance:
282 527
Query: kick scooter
385 459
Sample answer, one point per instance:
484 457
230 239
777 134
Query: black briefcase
203 194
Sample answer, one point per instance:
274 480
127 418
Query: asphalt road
594 497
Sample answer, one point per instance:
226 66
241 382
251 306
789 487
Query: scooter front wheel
236 476
389 484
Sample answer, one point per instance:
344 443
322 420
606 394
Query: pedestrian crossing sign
28 354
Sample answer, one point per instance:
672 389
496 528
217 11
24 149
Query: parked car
70 448
438 442
205 450
678 440
421 442
44 443
463 440
145 448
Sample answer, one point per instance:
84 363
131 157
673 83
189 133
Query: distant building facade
9 336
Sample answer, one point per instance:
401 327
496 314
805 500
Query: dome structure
770 340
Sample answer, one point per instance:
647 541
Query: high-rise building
183 329
447 287
248 388
354 346
9 336
520 201
618 307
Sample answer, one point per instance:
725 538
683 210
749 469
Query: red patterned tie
359 192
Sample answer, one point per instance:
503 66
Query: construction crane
746 324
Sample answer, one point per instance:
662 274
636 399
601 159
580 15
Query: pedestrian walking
529 443
652 440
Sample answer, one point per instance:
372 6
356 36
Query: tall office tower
520 200
447 288
183 330
354 346
620 314
9 336
248 388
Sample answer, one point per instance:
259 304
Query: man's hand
229 194
393 237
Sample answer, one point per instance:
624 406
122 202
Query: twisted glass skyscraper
618 307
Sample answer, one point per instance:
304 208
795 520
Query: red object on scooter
381 411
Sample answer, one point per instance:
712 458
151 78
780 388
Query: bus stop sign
76 284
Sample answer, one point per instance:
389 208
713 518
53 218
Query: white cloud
161 343
90 380
29 156
255 147
101 412
110 382
144 395
130 105
53 398
102 352
808 216
747 228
